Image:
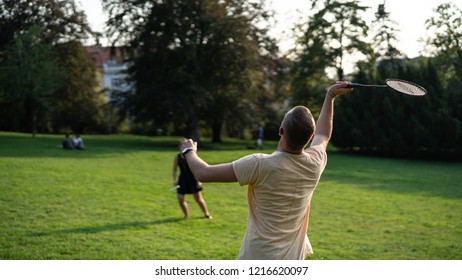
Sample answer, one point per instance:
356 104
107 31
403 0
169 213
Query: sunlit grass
111 201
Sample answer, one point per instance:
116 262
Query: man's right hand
339 88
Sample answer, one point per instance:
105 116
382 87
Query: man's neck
282 147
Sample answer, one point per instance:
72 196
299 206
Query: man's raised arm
324 125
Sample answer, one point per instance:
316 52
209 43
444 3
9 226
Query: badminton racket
174 188
398 85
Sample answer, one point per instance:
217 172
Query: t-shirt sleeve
318 154
246 169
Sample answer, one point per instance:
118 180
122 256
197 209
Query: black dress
187 181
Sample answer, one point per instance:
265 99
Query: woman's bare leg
183 205
201 201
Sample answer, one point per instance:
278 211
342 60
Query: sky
409 14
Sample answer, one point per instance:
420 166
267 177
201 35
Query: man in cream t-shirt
280 185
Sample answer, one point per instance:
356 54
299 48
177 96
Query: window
117 82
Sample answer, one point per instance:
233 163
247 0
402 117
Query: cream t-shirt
280 187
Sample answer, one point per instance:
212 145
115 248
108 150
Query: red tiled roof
102 55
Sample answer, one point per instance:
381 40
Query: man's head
297 127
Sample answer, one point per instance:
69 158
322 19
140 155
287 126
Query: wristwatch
186 150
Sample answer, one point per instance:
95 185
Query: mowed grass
111 201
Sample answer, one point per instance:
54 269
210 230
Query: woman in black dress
187 184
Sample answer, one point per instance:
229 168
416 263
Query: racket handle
355 85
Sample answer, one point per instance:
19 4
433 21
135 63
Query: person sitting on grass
78 142
68 144
281 184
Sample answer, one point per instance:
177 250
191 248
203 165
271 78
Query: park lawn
111 201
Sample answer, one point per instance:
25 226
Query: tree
311 62
446 41
77 106
61 20
384 31
335 31
384 40
346 33
29 75
368 123
445 44
63 27
198 59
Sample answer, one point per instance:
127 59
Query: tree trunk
31 117
34 124
340 74
216 131
192 131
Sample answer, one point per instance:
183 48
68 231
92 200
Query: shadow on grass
430 178
21 145
44 145
446 192
109 227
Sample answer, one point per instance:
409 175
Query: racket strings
406 87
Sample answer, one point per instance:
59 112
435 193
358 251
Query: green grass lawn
111 201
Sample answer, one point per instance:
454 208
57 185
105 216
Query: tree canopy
387 123
61 21
193 60
335 30
379 121
48 79
29 75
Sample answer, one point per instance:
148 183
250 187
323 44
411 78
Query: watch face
186 150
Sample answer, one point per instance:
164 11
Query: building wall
111 66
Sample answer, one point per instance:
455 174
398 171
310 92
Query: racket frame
356 85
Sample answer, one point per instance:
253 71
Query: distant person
259 137
188 184
279 185
78 142
68 143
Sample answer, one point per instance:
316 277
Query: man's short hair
298 125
